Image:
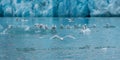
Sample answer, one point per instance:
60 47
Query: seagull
62 38
27 28
4 32
70 36
85 29
70 19
104 49
24 20
57 37
9 27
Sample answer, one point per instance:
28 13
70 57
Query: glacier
59 8
71 8
26 8
104 7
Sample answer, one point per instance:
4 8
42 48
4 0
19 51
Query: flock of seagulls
83 28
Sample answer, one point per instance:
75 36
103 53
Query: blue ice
59 8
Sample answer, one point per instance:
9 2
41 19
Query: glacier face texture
71 8
59 8
104 7
26 8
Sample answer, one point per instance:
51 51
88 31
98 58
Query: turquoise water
26 42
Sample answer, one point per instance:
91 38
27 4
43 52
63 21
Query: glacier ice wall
79 8
104 7
59 8
27 8
71 8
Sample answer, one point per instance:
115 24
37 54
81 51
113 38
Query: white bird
70 36
4 32
24 20
85 29
104 49
70 20
27 28
57 37
10 26
45 27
